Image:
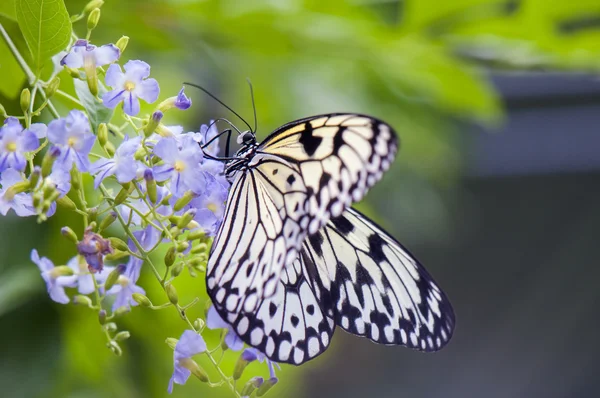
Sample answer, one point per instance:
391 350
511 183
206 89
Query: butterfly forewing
303 174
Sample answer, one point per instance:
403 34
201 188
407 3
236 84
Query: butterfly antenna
219 101
253 105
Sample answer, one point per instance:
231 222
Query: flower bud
110 327
170 256
165 199
92 216
114 347
107 221
196 234
89 66
122 43
52 86
113 277
68 233
198 323
92 5
141 300
3 111
171 342
266 386
200 248
34 178
82 300
186 218
25 100
251 386
240 365
151 185
124 193
182 246
122 310
109 148
116 255
122 336
102 317
37 199
74 73
184 200
102 134
75 178
66 203
61 270
153 122
15 189
93 19
118 244
196 370
48 161
176 270
172 294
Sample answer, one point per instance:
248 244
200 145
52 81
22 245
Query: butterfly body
292 260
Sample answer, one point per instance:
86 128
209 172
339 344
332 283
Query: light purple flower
130 86
182 101
147 237
252 354
210 205
180 165
205 135
83 53
93 248
126 285
214 321
73 136
83 277
21 203
14 143
190 343
123 165
61 180
54 283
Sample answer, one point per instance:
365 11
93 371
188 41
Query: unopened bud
165 199
124 193
74 73
122 336
153 123
170 256
15 189
75 178
122 43
182 246
61 270
109 148
66 203
82 300
93 19
69 234
102 317
200 248
171 342
91 75
118 244
240 365
196 234
37 199
102 134
116 255
184 200
113 277
176 270
25 100
266 386
198 323
3 111
34 178
196 370
172 294
186 218
114 347
251 386
111 327
122 310
151 185
92 217
48 161
52 86
107 221
92 5
141 300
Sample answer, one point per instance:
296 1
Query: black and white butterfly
292 260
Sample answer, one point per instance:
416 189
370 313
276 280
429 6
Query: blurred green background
495 189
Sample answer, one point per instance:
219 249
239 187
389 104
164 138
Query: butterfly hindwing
303 174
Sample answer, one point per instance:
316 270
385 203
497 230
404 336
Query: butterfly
292 260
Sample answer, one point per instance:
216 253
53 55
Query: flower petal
39 129
113 97
106 54
131 105
190 343
167 150
148 90
114 77
136 70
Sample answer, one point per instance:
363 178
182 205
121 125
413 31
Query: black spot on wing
290 180
325 177
316 242
309 142
376 248
342 225
272 309
338 139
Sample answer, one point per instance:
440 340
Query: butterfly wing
303 174
353 274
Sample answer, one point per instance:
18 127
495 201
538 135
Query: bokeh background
496 188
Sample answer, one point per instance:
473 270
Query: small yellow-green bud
141 300
102 134
17 188
111 327
114 347
171 342
124 193
196 370
61 270
52 86
3 111
109 148
93 19
240 365
66 202
186 218
34 178
165 200
122 310
93 216
116 255
48 161
184 200
102 317
92 5
170 256
91 75
107 221
172 294
200 248
25 100
122 336
176 270
69 234
182 246
153 123
251 386
196 234
113 277
198 323
122 43
150 185
74 73
37 199
82 300
118 244
266 386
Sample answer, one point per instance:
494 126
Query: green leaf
7 8
46 27
97 112
11 74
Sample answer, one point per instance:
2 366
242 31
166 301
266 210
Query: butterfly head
246 138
